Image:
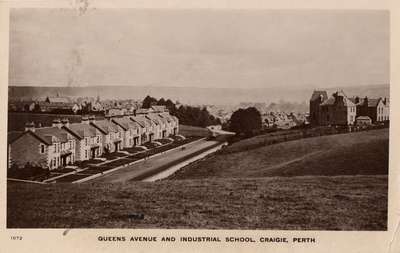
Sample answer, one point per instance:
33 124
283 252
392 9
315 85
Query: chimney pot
30 126
57 123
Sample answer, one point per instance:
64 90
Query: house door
63 161
93 153
117 146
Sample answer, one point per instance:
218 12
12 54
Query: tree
161 101
246 121
148 102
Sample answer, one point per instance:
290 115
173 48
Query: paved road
132 171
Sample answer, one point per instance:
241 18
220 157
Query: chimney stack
65 122
92 119
85 120
57 123
30 126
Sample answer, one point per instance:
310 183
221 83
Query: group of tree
246 121
187 115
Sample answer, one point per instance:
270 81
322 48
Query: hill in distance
193 95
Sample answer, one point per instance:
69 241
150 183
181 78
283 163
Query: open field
16 121
361 153
186 130
325 203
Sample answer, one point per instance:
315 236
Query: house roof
81 130
155 118
125 123
168 116
318 93
46 135
142 120
363 118
332 99
47 140
49 132
372 102
144 110
158 108
105 126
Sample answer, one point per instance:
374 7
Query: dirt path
280 165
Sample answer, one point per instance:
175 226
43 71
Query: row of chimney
30 126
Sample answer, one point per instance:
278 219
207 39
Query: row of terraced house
65 143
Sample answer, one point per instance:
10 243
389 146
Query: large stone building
317 98
338 109
65 143
377 109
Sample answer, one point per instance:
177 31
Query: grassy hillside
362 153
314 203
193 131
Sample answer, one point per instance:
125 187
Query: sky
199 48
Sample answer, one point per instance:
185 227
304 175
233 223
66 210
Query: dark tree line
246 121
187 115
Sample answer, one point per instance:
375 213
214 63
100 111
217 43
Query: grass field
16 121
323 203
361 153
193 131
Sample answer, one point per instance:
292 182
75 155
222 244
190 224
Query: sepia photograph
217 119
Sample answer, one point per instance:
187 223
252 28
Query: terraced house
46 147
65 143
145 127
111 134
130 131
89 139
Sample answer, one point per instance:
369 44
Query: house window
55 148
85 154
98 139
86 142
42 148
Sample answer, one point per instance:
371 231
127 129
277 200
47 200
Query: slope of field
361 153
307 203
186 130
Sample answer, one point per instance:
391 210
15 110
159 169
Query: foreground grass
362 153
312 203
